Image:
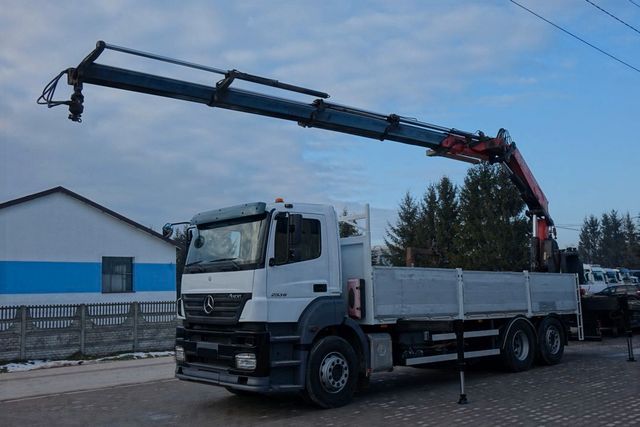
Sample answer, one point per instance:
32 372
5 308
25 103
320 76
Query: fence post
23 332
136 308
83 327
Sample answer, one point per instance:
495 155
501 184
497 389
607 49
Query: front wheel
519 347
332 372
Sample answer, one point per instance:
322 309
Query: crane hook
76 106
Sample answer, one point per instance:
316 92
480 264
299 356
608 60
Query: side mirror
167 230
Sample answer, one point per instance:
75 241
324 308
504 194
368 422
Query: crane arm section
440 141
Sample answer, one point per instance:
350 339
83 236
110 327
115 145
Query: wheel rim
552 340
520 345
334 372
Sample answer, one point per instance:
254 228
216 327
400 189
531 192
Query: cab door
298 264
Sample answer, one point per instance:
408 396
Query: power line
576 37
634 3
613 16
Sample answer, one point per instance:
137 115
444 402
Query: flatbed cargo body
450 294
433 294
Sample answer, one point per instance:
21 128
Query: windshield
227 246
611 275
597 276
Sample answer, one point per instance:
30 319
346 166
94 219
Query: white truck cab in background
595 279
614 277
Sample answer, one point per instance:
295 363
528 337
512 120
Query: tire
519 349
332 373
550 341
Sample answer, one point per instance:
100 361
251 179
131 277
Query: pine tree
636 250
494 233
590 235
346 229
631 257
404 233
446 221
426 238
612 244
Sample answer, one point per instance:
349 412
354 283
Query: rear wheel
332 372
519 347
550 341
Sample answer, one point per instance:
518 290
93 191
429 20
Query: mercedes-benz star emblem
209 302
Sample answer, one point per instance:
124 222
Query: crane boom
440 141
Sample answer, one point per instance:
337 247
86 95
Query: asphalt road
595 385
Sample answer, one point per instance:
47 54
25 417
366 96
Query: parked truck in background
273 300
627 276
613 276
595 279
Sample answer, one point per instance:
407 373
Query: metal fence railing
109 314
158 312
52 316
7 317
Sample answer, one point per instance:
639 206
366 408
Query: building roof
91 203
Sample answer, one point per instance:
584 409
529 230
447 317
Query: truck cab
613 276
260 281
595 279
277 258
628 275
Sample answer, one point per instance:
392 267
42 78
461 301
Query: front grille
226 308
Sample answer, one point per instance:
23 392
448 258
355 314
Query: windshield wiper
223 259
232 261
211 261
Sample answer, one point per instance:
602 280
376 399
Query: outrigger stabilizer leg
459 328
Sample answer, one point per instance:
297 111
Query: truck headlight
179 354
246 361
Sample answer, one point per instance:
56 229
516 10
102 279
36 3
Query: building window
117 274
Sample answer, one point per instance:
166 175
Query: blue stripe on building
154 277
31 277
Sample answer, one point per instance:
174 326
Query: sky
472 65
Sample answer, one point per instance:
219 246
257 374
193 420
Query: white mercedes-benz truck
273 300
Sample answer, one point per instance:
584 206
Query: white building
57 247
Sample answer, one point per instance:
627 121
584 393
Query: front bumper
222 377
209 358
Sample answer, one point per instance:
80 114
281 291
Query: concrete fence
62 331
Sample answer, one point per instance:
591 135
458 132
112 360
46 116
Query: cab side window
293 245
281 241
